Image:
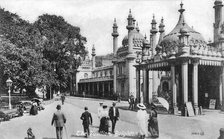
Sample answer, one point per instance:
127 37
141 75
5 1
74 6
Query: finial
145 36
130 11
181 10
162 20
181 5
153 16
114 20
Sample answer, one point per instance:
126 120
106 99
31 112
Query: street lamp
9 84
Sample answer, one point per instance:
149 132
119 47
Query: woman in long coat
104 121
142 118
153 122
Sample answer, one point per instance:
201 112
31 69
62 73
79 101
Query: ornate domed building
180 67
191 68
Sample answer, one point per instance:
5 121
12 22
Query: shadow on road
48 138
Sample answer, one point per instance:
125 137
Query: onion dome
172 38
137 39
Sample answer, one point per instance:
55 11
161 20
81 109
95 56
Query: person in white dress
104 122
99 110
142 119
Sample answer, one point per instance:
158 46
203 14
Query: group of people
104 116
147 122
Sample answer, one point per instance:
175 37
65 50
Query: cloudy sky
95 17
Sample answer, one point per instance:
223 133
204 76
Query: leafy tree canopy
42 53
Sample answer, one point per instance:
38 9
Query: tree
28 51
63 42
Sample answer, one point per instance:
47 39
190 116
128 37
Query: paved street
171 127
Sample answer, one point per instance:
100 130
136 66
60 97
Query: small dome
137 39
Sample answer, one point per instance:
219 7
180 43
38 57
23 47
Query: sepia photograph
111 69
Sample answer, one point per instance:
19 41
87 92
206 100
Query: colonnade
146 95
101 89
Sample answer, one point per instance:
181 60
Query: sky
95 17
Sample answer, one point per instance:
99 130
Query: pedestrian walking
132 102
86 121
59 121
62 99
104 121
114 115
129 101
142 118
153 127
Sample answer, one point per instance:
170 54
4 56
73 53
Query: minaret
93 57
161 31
115 41
153 32
218 19
115 35
130 27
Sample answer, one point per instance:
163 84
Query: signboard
212 103
190 109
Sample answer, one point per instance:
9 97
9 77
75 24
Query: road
171 126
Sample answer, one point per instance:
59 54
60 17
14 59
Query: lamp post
9 84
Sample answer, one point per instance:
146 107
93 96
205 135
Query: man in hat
86 121
58 120
142 118
114 115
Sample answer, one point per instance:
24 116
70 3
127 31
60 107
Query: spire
93 50
161 30
153 30
131 20
115 33
181 10
130 15
161 26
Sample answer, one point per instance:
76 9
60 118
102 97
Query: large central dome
137 39
172 38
